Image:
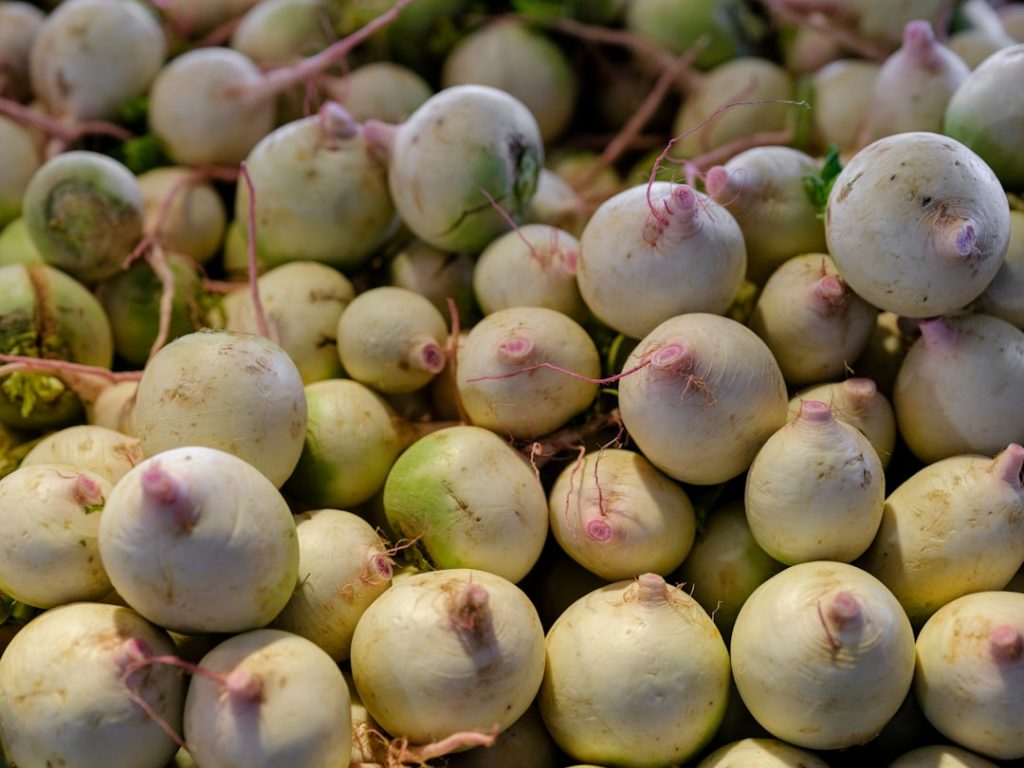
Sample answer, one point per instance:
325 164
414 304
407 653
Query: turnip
985 34
16 247
856 402
535 266
811 320
763 188
233 391
959 387
380 90
679 25
882 357
69 695
970 670
91 56
666 242
19 24
525 371
991 90
665 695
197 540
84 212
108 453
841 93
21 158
481 654
352 439
470 500
114 408
557 204
954 527
940 757
49 519
1003 296
195 17
508 55
276 32
822 655
944 233
709 394
449 205
183 211
618 516
283 701
525 742
436 275
557 582
805 50
761 753
392 339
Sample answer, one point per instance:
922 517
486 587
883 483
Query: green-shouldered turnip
184 212
19 24
20 158
106 452
761 753
941 756
1004 296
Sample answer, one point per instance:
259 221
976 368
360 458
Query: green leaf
97 507
141 154
135 110
819 187
539 9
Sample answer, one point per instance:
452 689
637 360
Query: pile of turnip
585 384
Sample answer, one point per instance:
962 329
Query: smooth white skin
16 247
763 188
196 220
218 553
637 676
954 527
842 91
940 756
434 274
884 22
1004 297
557 204
236 392
302 716
525 742
1012 18
196 120
49 554
970 673
392 339
960 388
975 44
815 490
807 50
19 24
618 516
882 357
761 753
114 408
510 273
486 674
534 403
343 568
90 56
811 320
302 301
320 195
106 452
198 16
792 651
20 158
688 258
275 32
703 421
856 402
62 699
380 90
944 233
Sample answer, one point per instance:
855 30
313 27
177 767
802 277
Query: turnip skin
954 527
114 408
380 90
19 25
436 275
960 388
557 204
198 540
196 220
760 753
300 717
21 159
945 232
882 357
276 32
941 757
970 672
665 695
618 516
16 247
63 699
687 257
194 17
106 452
708 397
485 660
822 631
841 93
471 499
1003 296
525 742
678 25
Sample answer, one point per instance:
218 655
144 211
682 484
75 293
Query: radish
679 25
806 49
19 25
106 452
508 55
352 439
944 233
436 275
761 753
69 695
380 90
667 242
822 632
811 320
196 540
276 32
940 757
233 391
841 94
664 697
114 408
51 516
943 407
16 247
21 159
954 527
184 213
708 395
557 204
283 701
535 266
392 339
482 655
618 516
470 501
91 56
525 371
970 670
763 188
449 205
196 17
1002 297
84 212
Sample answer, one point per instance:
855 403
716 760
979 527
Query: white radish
114 408
557 204
841 93
437 275
761 753
380 90
185 213
106 452
276 32
195 17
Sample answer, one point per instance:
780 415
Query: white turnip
106 452
941 757
841 93
183 211
19 24
1004 297
379 90
436 275
21 159
761 753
